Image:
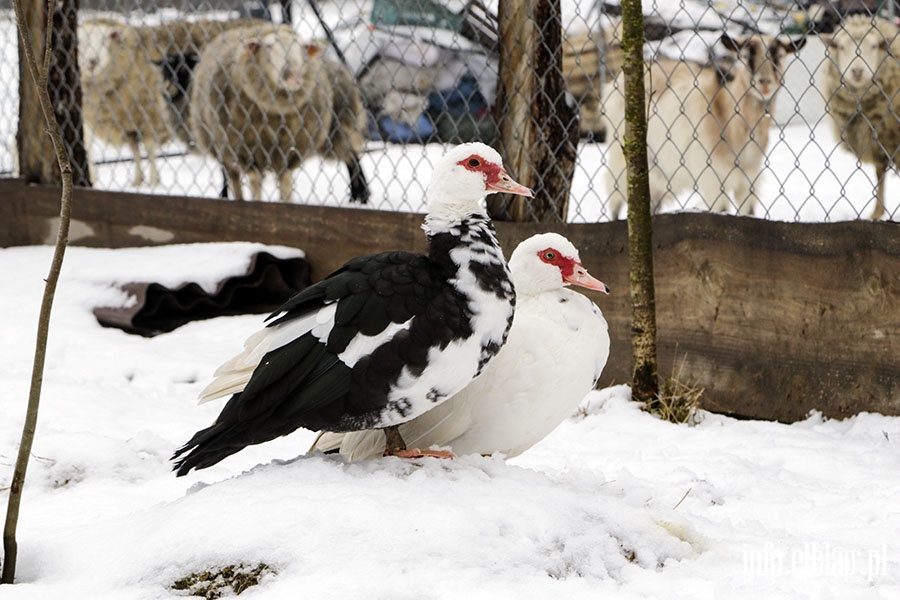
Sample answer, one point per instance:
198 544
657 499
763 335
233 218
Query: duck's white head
546 262
465 175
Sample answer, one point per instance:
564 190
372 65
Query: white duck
556 350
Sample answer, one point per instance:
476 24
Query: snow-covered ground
615 503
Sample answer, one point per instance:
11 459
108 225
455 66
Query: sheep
123 92
175 46
263 101
861 85
186 36
707 127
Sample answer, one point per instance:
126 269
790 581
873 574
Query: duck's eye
549 255
474 162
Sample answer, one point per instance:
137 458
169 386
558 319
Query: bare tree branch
40 78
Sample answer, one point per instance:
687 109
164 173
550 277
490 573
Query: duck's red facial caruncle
572 270
496 179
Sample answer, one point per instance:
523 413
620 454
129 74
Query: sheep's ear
313 49
731 43
251 47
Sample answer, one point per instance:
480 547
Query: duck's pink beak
581 277
504 183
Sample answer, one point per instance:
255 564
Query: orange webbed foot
395 446
416 453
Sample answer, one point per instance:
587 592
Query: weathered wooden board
330 236
798 316
772 319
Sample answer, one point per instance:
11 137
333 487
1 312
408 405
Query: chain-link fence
775 109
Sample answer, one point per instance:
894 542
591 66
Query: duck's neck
446 236
469 253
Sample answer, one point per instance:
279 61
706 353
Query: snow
614 503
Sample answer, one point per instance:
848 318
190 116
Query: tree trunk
64 85
538 128
644 380
36 154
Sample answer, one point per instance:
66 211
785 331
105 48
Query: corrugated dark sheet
268 282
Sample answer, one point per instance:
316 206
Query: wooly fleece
263 101
860 84
123 93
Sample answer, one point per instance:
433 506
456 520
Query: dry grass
230 579
678 401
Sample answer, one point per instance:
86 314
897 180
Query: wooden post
37 158
64 85
538 128
644 380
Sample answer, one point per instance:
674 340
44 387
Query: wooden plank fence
772 319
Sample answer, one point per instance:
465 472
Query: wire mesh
777 110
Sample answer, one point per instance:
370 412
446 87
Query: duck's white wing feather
584 318
232 376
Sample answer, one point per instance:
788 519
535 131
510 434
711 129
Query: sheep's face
282 62
858 52
94 49
761 56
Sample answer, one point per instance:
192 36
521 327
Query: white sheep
264 101
861 86
707 126
175 46
123 92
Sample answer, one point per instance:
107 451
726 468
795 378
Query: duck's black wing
337 347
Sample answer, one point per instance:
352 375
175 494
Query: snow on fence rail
428 71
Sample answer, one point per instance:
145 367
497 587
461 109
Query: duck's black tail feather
207 447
